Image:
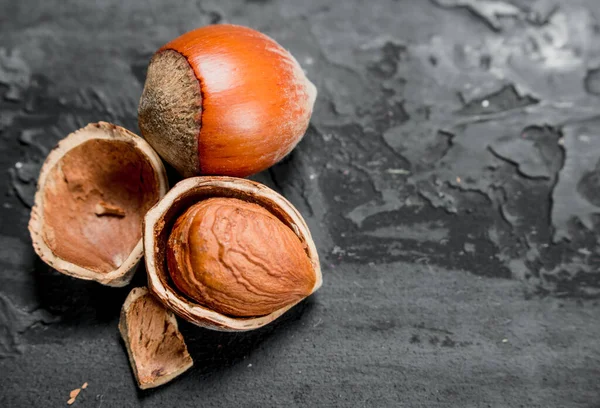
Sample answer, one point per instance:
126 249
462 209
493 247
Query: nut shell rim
155 224
122 275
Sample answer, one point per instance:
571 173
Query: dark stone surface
450 178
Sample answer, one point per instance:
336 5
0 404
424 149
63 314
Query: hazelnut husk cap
157 228
93 191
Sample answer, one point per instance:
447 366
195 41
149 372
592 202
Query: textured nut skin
248 107
158 226
237 258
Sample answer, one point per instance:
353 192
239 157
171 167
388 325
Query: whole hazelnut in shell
224 100
229 254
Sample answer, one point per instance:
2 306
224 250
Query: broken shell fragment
156 349
93 192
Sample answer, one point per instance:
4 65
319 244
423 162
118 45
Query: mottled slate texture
450 176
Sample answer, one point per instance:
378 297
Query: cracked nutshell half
93 192
228 254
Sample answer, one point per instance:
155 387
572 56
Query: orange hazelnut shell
253 103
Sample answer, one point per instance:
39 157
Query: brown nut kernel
237 258
240 254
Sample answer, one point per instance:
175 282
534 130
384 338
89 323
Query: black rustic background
450 177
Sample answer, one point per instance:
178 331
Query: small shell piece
93 192
156 349
159 222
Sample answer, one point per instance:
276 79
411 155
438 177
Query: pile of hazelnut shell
219 103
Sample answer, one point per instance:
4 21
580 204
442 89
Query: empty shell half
93 192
